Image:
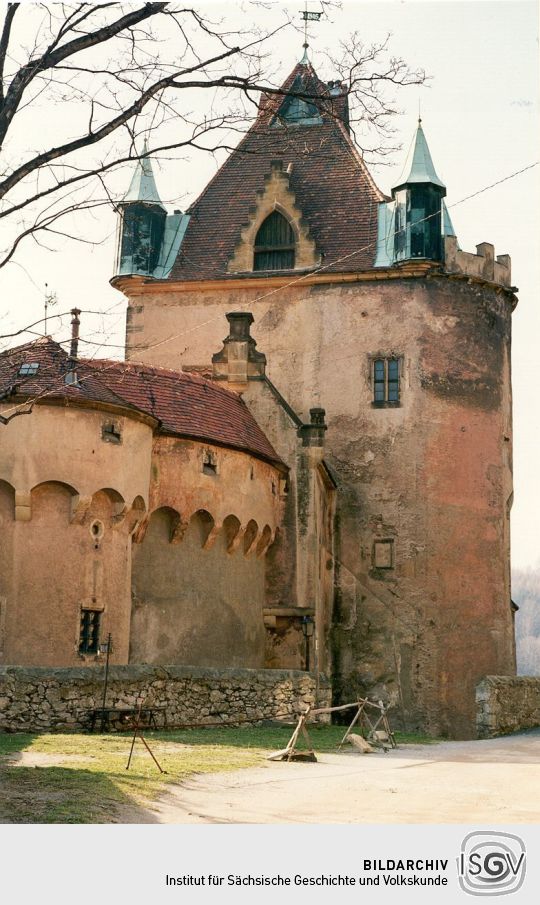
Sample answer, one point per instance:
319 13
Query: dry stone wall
507 704
43 699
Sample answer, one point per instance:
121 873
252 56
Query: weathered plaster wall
44 699
70 505
507 704
241 485
65 443
197 606
57 568
77 498
432 475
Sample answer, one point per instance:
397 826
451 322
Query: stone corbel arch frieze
277 195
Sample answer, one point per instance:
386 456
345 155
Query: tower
366 306
419 200
148 238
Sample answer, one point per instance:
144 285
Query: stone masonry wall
43 699
507 704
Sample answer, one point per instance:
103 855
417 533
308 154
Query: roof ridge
179 403
170 373
39 341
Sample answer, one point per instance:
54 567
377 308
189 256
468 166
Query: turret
419 206
142 223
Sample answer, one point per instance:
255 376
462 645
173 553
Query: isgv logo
491 864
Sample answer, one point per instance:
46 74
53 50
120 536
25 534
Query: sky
480 116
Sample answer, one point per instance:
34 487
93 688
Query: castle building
215 500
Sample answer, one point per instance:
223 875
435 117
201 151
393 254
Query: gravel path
492 781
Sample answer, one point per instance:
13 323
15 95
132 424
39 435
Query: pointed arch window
274 244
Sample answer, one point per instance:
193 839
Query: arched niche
231 531
264 541
7 502
107 504
7 519
165 523
53 498
250 536
202 524
138 504
135 516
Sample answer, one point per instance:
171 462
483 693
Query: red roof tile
184 404
331 183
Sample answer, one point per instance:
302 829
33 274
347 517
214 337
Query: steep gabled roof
185 405
332 185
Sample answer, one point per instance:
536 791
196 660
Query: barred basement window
274 244
89 631
385 376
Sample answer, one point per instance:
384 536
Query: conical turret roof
422 169
143 185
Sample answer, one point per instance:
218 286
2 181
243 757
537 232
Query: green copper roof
422 169
143 185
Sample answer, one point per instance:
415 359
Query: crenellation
481 265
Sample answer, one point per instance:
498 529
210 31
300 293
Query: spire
143 185
422 169
305 59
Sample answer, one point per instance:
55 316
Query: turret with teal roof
148 238
413 225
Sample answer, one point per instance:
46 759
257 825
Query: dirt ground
492 781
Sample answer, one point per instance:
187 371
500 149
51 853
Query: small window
89 631
274 244
28 369
385 376
209 463
383 554
111 433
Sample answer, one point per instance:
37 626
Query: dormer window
28 369
274 244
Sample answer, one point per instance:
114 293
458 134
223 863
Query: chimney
312 434
238 362
71 373
75 324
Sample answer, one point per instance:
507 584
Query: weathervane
308 16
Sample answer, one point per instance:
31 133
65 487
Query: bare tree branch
120 75
4 42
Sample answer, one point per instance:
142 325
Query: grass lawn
82 778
